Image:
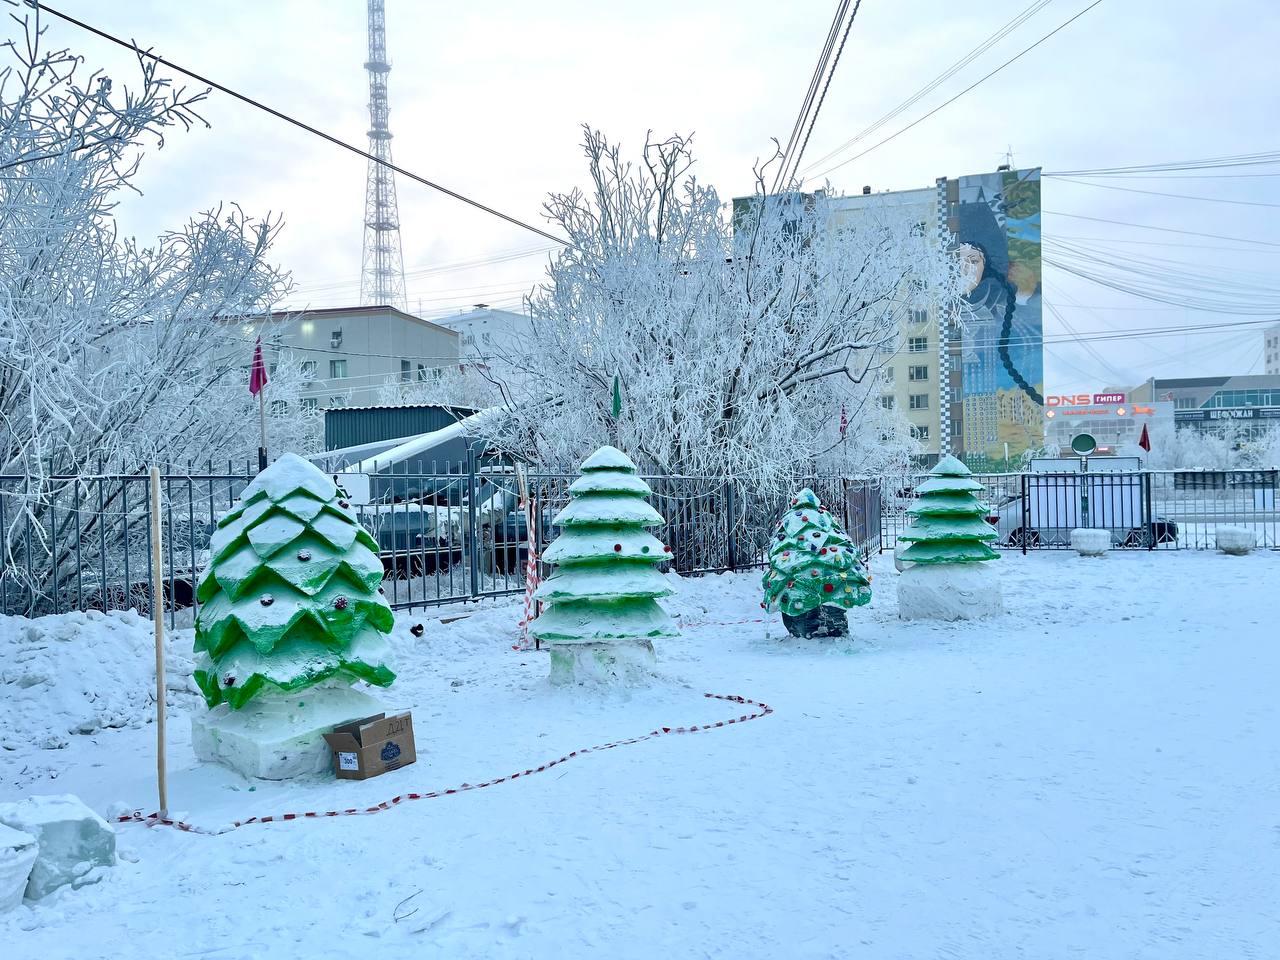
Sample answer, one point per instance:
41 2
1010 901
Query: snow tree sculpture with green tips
946 575
290 601
602 615
814 573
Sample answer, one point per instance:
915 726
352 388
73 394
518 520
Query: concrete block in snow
73 841
278 737
949 591
1090 542
1236 541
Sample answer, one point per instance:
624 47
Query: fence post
473 533
1148 510
1026 511
731 515
157 610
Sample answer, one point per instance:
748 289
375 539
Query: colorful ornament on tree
799 582
602 616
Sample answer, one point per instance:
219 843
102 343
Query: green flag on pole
617 397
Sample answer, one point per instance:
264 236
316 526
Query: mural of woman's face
973 262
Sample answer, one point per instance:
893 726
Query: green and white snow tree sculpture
602 613
945 574
291 614
814 574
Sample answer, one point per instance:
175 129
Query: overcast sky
487 99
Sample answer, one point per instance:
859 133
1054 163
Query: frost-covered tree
114 350
736 335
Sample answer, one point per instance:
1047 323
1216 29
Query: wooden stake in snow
157 610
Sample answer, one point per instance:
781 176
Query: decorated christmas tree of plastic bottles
945 573
815 573
949 522
291 596
602 613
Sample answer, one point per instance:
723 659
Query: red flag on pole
258 373
1144 441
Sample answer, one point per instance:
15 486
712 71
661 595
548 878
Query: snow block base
1235 541
949 591
278 737
823 621
624 662
1090 542
18 852
898 563
72 841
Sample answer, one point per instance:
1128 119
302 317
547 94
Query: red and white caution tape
155 820
530 576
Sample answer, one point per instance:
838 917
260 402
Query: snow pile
17 854
1235 541
1090 542
77 673
73 841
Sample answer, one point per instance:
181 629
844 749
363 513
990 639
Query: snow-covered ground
1096 775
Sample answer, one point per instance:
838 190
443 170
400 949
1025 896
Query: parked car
1010 518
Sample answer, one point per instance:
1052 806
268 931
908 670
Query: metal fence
454 534
1145 510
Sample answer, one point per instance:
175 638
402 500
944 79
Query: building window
887 374
279 408
918 373
337 402
337 369
887 401
406 370
922 433
310 403
422 373
335 338
918 401
309 369
917 345
919 317
1184 403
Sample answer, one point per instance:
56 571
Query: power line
937 81
780 179
795 165
971 86
279 115
1146 226
1210 163
1175 196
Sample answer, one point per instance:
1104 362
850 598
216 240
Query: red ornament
666 549
827 587
340 603
791 583
267 600
813 573
761 604
804 518
617 548
343 504
822 551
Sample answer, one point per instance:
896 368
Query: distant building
1272 350
353 351
494 340
976 391
1209 403
1113 417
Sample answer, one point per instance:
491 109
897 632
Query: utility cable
279 115
971 86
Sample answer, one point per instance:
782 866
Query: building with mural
973 384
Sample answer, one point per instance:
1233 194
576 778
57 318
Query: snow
1091 775
73 841
950 591
608 458
279 736
1090 542
78 673
18 852
1236 541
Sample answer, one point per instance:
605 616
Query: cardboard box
372 746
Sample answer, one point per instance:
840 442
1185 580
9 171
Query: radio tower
382 263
